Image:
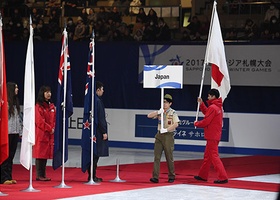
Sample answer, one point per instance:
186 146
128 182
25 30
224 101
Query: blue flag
87 119
64 97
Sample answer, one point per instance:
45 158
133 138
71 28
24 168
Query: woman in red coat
212 124
44 138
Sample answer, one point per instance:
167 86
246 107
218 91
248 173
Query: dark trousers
7 165
95 161
40 167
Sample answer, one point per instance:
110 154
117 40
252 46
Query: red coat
44 123
213 119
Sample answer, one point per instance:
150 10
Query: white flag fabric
28 135
215 55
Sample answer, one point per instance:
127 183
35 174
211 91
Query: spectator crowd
108 24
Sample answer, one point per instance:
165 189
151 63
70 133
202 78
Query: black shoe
97 180
171 180
154 180
42 179
221 181
199 178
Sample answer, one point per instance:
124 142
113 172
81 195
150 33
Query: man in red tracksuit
212 124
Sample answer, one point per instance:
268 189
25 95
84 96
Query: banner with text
255 65
144 127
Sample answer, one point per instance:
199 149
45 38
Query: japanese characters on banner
256 65
186 131
163 76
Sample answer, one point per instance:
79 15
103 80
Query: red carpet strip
137 176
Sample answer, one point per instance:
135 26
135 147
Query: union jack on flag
64 100
90 70
64 54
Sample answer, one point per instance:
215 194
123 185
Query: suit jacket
102 145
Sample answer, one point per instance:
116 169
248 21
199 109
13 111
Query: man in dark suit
102 147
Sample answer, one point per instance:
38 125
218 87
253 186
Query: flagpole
62 184
30 188
64 113
205 62
92 44
161 105
30 48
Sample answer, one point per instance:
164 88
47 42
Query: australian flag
87 139
64 98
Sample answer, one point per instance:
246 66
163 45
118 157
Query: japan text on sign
163 76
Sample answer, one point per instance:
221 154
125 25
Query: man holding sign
164 139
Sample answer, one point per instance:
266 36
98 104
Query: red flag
4 145
215 54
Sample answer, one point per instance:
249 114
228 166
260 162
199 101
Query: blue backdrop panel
116 65
146 127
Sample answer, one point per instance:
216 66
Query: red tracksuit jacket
213 119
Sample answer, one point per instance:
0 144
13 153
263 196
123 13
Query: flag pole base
117 179
3 194
92 182
30 189
62 185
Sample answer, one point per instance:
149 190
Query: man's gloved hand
163 130
160 111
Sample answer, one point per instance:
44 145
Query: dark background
116 65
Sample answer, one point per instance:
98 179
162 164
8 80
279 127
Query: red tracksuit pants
211 156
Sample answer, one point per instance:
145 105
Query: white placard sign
163 76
